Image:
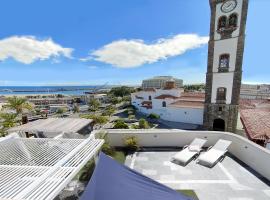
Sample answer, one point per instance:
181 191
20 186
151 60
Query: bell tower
224 67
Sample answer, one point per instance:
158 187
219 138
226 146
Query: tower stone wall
227 37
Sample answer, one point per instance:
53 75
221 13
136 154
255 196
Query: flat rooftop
228 180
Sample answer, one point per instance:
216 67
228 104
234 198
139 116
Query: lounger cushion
184 156
195 148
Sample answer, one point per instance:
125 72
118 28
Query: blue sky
82 42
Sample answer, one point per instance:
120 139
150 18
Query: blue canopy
113 181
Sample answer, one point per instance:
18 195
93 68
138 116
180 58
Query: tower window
220 109
224 61
164 104
221 93
149 98
222 21
233 20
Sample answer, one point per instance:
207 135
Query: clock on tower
224 68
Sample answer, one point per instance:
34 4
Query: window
222 22
233 20
224 61
220 109
221 93
164 104
149 98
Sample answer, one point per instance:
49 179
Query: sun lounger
189 152
214 154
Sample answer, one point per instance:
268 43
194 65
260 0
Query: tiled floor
228 180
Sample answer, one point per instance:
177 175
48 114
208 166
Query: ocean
31 90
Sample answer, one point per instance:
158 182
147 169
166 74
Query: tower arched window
221 94
164 104
149 98
224 61
222 21
233 20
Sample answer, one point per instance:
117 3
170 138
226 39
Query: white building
249 91
170 103
160 81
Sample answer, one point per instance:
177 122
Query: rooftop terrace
228 180
243 174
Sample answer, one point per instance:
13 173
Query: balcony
243 174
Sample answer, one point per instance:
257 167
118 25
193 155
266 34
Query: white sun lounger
214 154
189 152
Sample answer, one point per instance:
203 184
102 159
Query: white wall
248 152
222 80
185 115
228 46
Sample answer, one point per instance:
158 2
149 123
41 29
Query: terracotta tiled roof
137 97
193 94
166 96
188 104
147 102
256 123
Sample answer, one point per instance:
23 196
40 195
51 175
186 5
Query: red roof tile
256 123
166 96
188 104
147 102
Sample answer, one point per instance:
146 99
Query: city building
224 69
159 82
170 103
249 91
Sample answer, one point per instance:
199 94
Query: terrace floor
228 180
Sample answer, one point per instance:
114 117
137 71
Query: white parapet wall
245 150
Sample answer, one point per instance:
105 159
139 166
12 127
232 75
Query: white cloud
28 49
134 53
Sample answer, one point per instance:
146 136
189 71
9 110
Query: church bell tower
224 67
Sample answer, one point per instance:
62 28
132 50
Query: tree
61 110
121 91
114 100
109 111
76 108
94 104
97 119
143 124
8 120
120 124
19 105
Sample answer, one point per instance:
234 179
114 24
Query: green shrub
153 116
120 124
131 143
135 126
143 124
107 149
131 116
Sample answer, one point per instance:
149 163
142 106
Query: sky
93 42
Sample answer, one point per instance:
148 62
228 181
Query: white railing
245 150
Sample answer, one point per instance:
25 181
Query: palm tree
19 105
8 119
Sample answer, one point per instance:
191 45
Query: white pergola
39 168
52 127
